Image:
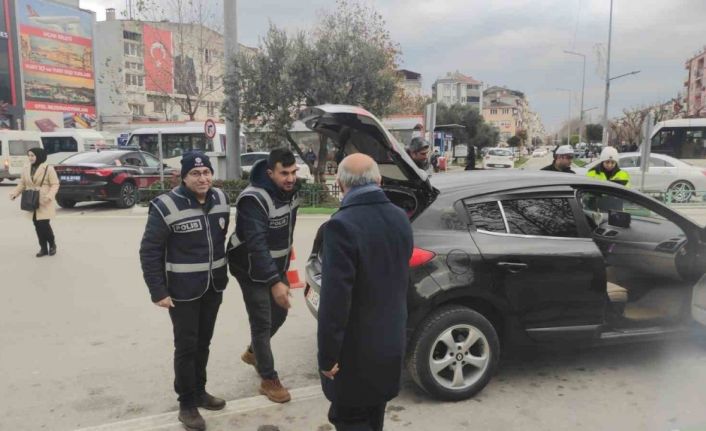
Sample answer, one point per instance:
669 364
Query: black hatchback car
110 175
523 258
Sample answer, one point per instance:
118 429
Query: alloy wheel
459 357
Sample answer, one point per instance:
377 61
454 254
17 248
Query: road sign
209 128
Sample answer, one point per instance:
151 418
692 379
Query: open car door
354 130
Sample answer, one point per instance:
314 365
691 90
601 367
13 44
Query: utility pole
230 18
607 78
583 87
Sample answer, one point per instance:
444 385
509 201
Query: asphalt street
84 347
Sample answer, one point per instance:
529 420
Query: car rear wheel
66 203
454 353
681 191
128 195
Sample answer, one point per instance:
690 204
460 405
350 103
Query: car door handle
513 267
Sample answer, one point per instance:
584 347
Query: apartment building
455 88
694 86
411 82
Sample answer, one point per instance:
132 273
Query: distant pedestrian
310 157
435 160
471 159
258 256
563 157
38 175
362 316
184 265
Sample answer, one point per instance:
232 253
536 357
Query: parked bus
177 140
683 139
14 145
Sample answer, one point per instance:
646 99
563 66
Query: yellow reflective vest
619 176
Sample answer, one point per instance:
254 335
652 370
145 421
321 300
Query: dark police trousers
346 418
193 323
266 317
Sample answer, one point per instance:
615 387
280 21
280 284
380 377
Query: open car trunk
355 130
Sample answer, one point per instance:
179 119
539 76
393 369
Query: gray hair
350 179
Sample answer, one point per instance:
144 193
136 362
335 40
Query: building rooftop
458 77
408 74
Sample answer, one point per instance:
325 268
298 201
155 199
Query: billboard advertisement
7 78
159 62
56 47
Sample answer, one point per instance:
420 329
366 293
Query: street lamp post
230 13
583 87
607 78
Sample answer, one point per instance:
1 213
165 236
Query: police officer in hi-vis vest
184 265
258 256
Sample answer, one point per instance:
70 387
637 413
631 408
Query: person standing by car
184 266
38 175
471 159
607 169
435 160
563 157
362 316
419 152
258 256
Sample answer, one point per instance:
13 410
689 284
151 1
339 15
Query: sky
520 44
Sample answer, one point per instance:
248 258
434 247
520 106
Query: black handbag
30 198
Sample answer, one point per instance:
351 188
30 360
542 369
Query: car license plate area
70 178
312 296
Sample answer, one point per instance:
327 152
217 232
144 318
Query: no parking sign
209 128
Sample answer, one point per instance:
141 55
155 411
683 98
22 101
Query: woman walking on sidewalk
38 175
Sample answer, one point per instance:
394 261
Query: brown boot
191 419
249 358
273 389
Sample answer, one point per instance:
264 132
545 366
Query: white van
14 145
177 140
63 143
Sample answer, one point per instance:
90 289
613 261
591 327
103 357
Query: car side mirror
619 219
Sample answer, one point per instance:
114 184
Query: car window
541 217
20 148
630 162
132 159
505 153
486 216
151 160
598 205
250 159
59 144
659 163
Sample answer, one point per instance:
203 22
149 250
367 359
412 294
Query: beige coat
47 191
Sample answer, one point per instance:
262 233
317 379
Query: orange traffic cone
293 274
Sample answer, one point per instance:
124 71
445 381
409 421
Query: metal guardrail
681 198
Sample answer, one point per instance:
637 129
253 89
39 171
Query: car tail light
420 257
7 165
99 172
703 172
120 178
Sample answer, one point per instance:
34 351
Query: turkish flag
159 62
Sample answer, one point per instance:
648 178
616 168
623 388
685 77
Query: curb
233 408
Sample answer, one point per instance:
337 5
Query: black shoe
209 402
52 249
191 419
42 253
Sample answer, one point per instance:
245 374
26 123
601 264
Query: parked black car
523 258
111 175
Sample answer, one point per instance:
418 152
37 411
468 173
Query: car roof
481 182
